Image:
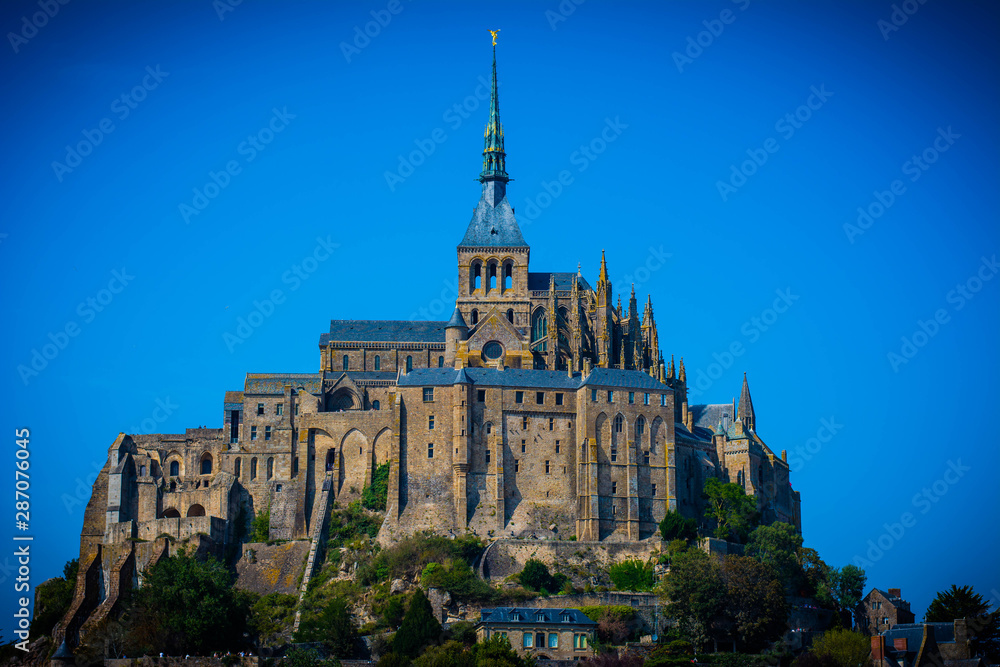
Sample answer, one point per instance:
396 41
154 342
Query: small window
510 315
487 456
614 454
652 490
430 422
428 394
528 637
546 467
645 399
515 616
619 424
640 426
631 397
270 467
376 405
378 362
430 450
523 446
142 471
611 396
517 466
346 362
614 488
557 446
253 432
239 468
440 362
593 396
175 469
267 432
295 466
481 395
559 399
409 364
552 423
277 488
296 408
645 457
663 400
279 409
253 468
553 640
614 510
540 397
260 408
475 316
519 397
524 422
489 428
206 465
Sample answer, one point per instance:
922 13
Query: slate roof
382 331
456 320
529 616
521 377
710 416
493 227
360 376
564 281
274 383
233 398
944 633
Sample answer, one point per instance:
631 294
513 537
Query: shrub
260 527
632 575
677 527
537 577
374 497
418 629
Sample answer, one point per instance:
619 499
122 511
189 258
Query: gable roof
530 379
382 331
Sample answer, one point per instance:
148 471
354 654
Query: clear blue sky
208 88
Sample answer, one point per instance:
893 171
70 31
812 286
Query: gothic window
475 316
409 364
346 360
253 468
270 467
619 424
640 426
378 363
175 469
510 315
539 328
376 405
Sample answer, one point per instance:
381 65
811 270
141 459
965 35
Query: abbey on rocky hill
540 409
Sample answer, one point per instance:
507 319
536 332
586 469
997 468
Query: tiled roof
530 379
533 615
710 416
564 281
233 397
274 383
493 227
944 633
382 331
360 376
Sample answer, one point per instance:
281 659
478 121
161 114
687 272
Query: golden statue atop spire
494 33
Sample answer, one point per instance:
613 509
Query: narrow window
270 467
142 471
346 362
430 422
614 454
430 450
552 423
253 468
524 422
295 466
253 432
523 446
652 490
611 396
493 276
260 408
234 426
557 446
409 364
517 466
481 395
540 397
593 396
510 315
428 394
175 469
640 426
487 456
519 397
619 424
546 467
489 428
440 362
645 458
378 362
614 510
559 399
267 432
645 399
279 409
239 468
508 279
477 276
663 400
475 316
631 397
296 409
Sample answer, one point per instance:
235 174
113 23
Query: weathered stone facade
539 410
881 610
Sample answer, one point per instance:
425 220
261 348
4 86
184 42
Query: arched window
477 275
239 468
171 514
270 467
206 464
376 405
539 327
475 316
196 510
510 315
142 471
378 362
175 468
409 364
493 276
253 468
640 426
440 362
619 424
346 359
508 276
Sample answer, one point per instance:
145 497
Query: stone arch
205 464
508 274
641 434
382 447
196 510
354 463
253 468
657 436
270 467
475 274
171 513
175 464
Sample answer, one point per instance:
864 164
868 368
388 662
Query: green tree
260 527
778 545
844 648
632 575
497 652
449 654
331 624
755 602
53 600
272 615
963 602
177 608
419 627
734 512
536 576
695 593
675 526
374 496
848 585
817 577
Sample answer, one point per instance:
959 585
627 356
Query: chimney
784 455
899 643
895 593
878 649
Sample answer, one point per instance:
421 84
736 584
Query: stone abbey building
540 409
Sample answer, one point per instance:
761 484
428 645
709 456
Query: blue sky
719 151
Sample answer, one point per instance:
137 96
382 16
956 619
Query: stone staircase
320 514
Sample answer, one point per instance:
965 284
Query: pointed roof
494 157
456 320
745 409
603 277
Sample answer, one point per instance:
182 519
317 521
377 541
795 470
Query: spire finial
604 269
745 409
494 157
494 33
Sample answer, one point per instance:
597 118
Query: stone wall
276 568
581 561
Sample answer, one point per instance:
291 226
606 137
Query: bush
537 577
54 598
260 527
456 577
374 497
331 624
615 623
349 524
409 557
272 615
632 575
677 527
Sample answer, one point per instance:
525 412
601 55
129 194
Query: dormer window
515 616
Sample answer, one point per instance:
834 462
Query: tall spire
603 277
745 409
494 157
